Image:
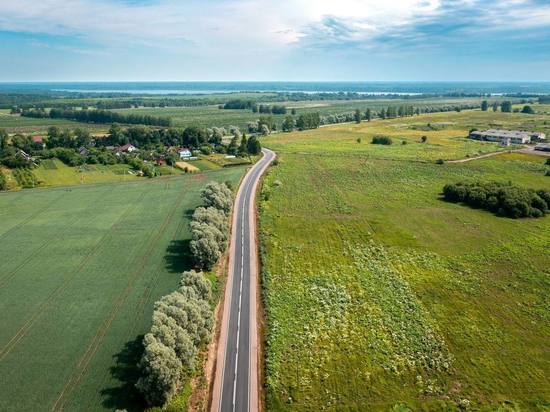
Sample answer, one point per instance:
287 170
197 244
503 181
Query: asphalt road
235 385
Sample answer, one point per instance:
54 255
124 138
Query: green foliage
218 196
182 323
209 229
384 140
484 105
506 107
357 116
3 181
253 146
308 121
500 198
25 178
289 124
528 110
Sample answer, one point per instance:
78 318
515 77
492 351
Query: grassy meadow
381 296
209 116
81 268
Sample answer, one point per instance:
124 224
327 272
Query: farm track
102 332
60 289
5 279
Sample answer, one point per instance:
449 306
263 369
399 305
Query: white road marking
260 166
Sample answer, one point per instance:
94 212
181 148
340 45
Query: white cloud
235 26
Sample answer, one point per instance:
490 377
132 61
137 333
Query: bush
385 140
502 199
25 178
3 181
440 161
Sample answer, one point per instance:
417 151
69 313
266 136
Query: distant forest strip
125 101
97 116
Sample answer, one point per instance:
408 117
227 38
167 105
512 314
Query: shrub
424 139
385 140
25 177
502 199
404 142
3 181
440 161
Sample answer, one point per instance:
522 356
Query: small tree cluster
500 198
182 322
385 140
209 229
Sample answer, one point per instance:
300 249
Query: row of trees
182 323
97 116
501 198
209 228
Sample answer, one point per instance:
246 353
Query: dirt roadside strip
527 150
236 377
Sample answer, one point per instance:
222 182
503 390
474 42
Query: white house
185 153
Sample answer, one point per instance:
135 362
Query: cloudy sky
71 40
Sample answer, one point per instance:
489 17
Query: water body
374 88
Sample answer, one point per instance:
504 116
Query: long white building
507 137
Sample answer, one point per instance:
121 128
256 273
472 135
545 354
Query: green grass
380 295
209 116
81 268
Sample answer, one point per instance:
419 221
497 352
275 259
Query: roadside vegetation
379 294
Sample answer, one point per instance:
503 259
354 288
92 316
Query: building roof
124 148
37 139
505 133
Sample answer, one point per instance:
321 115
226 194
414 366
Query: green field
381 296
79 273
209 116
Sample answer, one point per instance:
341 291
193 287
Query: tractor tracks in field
30 217
98 338
61 288
49 241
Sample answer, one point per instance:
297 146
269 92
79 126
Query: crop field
79 273
209 116
16 123
381 296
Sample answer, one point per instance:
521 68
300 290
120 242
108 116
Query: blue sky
116 40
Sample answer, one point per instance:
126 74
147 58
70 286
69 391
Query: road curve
236 377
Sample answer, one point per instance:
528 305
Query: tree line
97 116
503 199
209 227
182 324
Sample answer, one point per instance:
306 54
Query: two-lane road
236 380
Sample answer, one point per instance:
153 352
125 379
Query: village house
184 153
506 137
83 151
127 148
38 141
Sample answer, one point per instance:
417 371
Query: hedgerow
182 322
